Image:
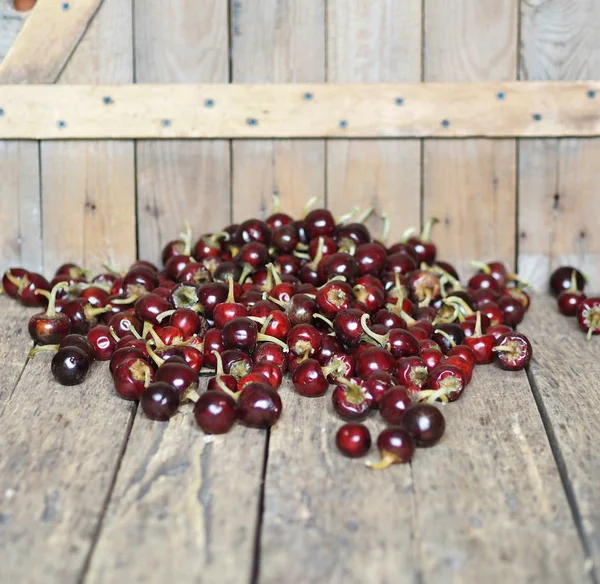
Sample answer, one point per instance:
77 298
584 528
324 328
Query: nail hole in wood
500 95
209 102
61 124
107 100
1 112
66 6
445 123
591 94
536 117
23 5
252 121
343 124
556 202
165 123
399 101
308 96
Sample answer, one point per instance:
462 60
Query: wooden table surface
91 491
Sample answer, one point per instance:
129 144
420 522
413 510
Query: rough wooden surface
88 201
559 181
185 505
329 519
275 41
490 504
46 40
468 184
364 42
11 22
60 451
301 110
15 343
20 220
180 41
566 380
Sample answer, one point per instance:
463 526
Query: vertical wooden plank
279 41
375 42
185 505
470 184
20 221
346 524
181 41
565 374
88 187
559 180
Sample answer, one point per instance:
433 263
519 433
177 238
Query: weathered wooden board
20 221
184 507
276 41
88 201
490 504
566 381
180 41
329 519
11 22
15 344
471 185
46 40
302 110
60 451
558 179
364 42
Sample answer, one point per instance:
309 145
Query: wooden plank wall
530 202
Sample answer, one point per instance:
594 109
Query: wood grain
11 22
345 523
276 41
88 187
471 185
180 41
20 234
282 110
15 344
48 37
566 378
364 42
490 504
559 179
184 507
60 450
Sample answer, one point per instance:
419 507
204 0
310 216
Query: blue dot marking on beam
107 100
399 101
252 121
536 117
343 124
165 123
445 123
66 6
61 124
591 94
209 102
1 112
308 96
500 95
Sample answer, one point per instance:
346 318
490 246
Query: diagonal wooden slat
46 41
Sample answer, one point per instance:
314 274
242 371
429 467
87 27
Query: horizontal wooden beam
382 110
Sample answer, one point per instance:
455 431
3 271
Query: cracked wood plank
60 448
327 518
490 503
566 379
184 507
